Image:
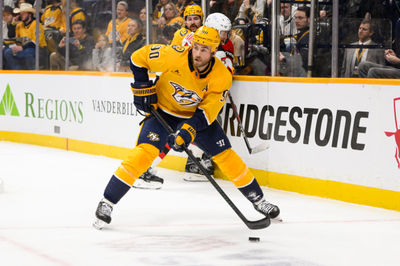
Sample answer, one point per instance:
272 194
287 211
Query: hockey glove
144 95
181 138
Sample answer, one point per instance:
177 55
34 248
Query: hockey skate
103 214
149 180
266 208
193 172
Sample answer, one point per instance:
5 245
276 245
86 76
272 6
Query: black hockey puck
254 239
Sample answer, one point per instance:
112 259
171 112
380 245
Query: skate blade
192 177
99 224
141 184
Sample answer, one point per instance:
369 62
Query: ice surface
50 196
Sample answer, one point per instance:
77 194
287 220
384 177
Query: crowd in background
369 31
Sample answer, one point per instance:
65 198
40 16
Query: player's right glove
144 95
181 138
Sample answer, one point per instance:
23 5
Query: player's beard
200 63
193 27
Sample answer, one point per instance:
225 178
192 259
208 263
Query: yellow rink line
309 186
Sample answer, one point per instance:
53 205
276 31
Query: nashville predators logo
185 97
153 136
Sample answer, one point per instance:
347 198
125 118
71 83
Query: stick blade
263 146
260 224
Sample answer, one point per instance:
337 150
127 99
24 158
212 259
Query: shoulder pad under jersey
183 32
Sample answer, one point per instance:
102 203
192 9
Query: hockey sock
252 191
138 161
234 168
115 189
164 151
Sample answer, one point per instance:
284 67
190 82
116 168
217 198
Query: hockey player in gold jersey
193 16
189 94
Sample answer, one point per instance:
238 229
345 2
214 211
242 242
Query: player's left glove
144 95
181 138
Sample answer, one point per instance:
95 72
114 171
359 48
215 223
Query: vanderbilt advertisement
341 132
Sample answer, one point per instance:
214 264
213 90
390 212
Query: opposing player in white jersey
225 50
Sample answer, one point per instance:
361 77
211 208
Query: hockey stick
260 224
259 148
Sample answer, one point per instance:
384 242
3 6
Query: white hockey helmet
219 22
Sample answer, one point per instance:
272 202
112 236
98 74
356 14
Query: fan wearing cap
189 94
193 16
22 56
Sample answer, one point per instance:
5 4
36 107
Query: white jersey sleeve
188 39
221 55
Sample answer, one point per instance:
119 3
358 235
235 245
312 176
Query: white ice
50 196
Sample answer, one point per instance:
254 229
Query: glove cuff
144 91
190 130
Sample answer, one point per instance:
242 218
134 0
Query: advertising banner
329 131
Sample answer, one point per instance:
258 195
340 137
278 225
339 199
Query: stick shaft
239 122
263 223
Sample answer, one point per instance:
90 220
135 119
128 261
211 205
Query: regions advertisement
97 109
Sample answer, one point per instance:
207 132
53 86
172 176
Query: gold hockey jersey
179 35
181 89
53 17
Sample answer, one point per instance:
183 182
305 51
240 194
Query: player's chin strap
260 224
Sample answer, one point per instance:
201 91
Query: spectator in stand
52 17
286 20
54 24
170 16
81 49
76 12
159 9
391 70
229 8
353 57
142 18
350 11
182 4
169 23
302 19
132 43
287 25
102 55
8 23
9 3
255 10
22 55
122 22
290 60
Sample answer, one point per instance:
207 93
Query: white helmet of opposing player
219 22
